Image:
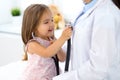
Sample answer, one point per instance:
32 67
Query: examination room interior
11 45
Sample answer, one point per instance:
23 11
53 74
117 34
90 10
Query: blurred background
11 13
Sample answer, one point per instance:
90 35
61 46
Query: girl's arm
35 47
61 55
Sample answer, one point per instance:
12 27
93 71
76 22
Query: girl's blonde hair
31 19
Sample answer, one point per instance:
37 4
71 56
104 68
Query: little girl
40 44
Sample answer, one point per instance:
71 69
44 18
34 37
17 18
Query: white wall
70 8
5 10
25 3
5 16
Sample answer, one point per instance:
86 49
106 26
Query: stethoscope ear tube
68 55
68 49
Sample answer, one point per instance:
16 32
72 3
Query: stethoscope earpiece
33 35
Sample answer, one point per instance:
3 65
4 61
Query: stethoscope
68 50
69 44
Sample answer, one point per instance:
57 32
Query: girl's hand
67 32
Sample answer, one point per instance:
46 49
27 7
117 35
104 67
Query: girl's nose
51 24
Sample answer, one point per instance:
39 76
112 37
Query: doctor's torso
83 33
81 41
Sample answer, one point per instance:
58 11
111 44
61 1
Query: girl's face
45 28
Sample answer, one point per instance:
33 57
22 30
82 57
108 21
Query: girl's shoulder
34 42
39 41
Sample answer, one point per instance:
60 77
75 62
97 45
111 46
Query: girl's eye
52 20
46 22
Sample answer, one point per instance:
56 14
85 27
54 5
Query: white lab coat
95 53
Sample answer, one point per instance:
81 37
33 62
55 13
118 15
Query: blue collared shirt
85 9
89 5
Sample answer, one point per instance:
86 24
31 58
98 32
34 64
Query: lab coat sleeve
101 52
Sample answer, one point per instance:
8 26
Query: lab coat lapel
85 15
